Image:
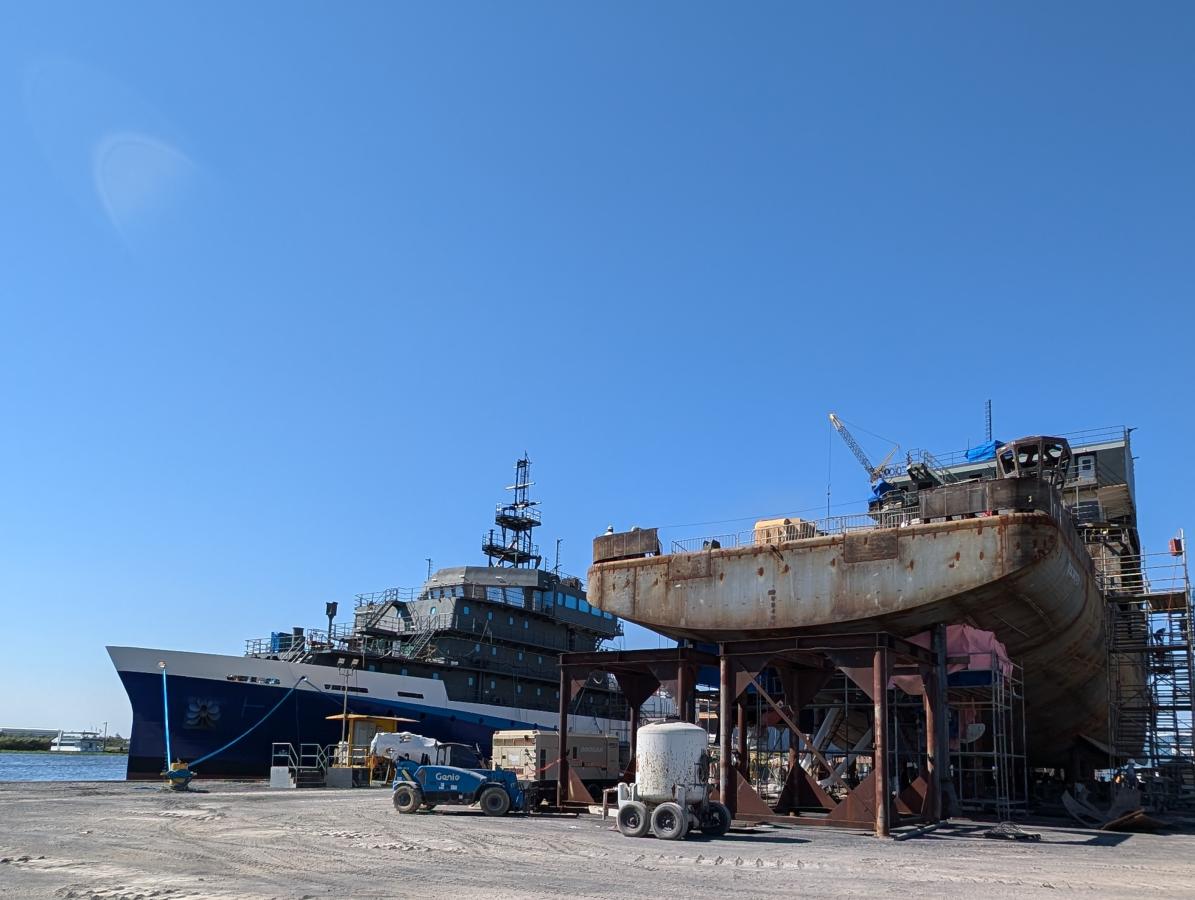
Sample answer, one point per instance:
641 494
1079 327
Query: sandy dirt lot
137 841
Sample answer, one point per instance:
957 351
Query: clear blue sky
286 288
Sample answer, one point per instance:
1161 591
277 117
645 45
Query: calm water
62 766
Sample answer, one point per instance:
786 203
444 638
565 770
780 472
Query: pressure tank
669 755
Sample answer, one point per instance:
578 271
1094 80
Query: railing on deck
1088 437
799 529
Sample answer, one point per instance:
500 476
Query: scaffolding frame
1151 694
990 772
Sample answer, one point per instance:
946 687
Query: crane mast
873 472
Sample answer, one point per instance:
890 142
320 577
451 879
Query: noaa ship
474 650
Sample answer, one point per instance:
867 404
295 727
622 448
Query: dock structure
1032 542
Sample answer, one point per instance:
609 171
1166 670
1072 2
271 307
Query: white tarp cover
404 745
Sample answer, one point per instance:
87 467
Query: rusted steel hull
1019 575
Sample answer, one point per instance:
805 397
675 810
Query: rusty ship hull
1025 576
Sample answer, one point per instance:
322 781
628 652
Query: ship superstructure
473 650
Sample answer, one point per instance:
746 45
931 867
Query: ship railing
529 513
390 595
798 529
1087 437
294 647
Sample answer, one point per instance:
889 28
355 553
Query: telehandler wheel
494 801
407 798
717 823
633 820
669 822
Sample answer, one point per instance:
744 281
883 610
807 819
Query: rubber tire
718 822
407 798
669 822
494 801
633 820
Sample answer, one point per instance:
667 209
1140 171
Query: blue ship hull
205 714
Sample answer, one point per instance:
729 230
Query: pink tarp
979 647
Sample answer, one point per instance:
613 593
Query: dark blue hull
206 714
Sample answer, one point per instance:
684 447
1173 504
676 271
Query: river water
16 766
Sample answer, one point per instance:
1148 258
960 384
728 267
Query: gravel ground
96 840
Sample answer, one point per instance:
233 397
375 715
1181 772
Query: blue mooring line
202 759
166 718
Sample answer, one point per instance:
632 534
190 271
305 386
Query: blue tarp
983 451
880 488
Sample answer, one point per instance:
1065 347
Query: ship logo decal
202 713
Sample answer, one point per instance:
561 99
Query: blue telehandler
431 778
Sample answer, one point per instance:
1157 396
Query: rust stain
759 571
981 554
721 575
912 563
957 555
784 571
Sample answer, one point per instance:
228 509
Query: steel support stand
880 753
566 684
726 692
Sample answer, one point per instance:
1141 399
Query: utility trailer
532 756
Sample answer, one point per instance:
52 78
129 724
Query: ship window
557 695
403 672
570 602
538 691
464 610
492 684
436 676
489 616
583 606
470 681
477 648
607 615
493 651
520 656
526 624
540 660
510 620
433 610
518 689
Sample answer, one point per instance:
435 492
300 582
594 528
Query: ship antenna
510 544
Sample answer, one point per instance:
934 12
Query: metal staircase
308 765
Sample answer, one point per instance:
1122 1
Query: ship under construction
1033 542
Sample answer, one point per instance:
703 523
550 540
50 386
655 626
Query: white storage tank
666 756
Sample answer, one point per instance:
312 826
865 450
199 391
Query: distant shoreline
69 752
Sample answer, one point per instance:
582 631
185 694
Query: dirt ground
132 841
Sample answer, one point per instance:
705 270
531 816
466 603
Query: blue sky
285 289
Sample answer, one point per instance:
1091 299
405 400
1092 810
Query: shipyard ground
117 840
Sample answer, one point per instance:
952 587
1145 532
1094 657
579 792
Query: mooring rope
166 717
244 734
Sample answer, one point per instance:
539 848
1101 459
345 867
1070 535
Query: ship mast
510 544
